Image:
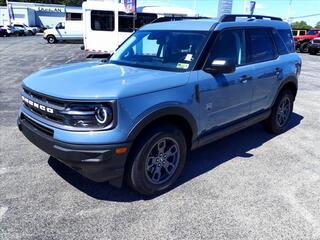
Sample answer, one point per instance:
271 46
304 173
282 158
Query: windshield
161 49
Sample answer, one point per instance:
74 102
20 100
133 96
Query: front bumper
98 163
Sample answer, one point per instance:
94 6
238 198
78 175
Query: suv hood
98 80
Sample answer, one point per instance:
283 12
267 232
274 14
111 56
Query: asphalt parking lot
251 185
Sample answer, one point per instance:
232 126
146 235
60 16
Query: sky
264 7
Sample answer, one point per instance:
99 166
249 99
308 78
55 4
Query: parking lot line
3 210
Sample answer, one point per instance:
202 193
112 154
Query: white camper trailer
107 25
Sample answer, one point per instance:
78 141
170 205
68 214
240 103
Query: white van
70 30
107 25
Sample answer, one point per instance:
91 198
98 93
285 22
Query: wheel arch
174 115
290 83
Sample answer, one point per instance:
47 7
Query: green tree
2 2
317 25
300 25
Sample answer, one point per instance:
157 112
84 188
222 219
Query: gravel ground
251 185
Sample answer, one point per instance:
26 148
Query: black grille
41 128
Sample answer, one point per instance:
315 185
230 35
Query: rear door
267 70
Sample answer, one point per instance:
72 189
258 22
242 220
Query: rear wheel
281 113
157 160
51 39
304 47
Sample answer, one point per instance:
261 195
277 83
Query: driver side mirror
221 66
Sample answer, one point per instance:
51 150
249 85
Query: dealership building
39 14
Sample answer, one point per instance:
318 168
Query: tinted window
281 46
295 32
229 44
287 38
102 20
302 33
144 18
74 16
125 22
260 45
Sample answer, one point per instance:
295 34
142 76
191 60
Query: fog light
103 115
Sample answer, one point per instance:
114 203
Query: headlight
93 116
103 114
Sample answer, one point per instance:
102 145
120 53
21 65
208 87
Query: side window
74 16
295 32
287 38
302 33
102 20
125 22
281 46
144 18
260 45
229 44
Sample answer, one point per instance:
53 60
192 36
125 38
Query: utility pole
289 11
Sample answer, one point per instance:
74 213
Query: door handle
245 78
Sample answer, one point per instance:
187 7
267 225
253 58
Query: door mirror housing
221 66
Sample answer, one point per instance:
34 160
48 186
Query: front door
226 97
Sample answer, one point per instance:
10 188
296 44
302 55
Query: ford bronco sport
170 88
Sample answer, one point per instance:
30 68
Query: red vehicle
303 42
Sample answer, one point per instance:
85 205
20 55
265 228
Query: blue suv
170 88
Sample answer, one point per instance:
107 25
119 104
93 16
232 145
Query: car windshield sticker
188 57
183 65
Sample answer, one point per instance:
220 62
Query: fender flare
291 79
163 112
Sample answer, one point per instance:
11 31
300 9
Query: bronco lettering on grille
37 105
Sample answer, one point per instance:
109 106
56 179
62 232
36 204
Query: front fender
159 113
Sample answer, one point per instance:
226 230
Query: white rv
107 25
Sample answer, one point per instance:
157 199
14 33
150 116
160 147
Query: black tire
29 33
312 52
280 116
51 39
304 47
149 169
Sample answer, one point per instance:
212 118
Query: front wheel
158 160
281 113
51 39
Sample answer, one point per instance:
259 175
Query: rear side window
260 45
229 44
287 38
102 20
281 46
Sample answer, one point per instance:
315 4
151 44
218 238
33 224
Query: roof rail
232 17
